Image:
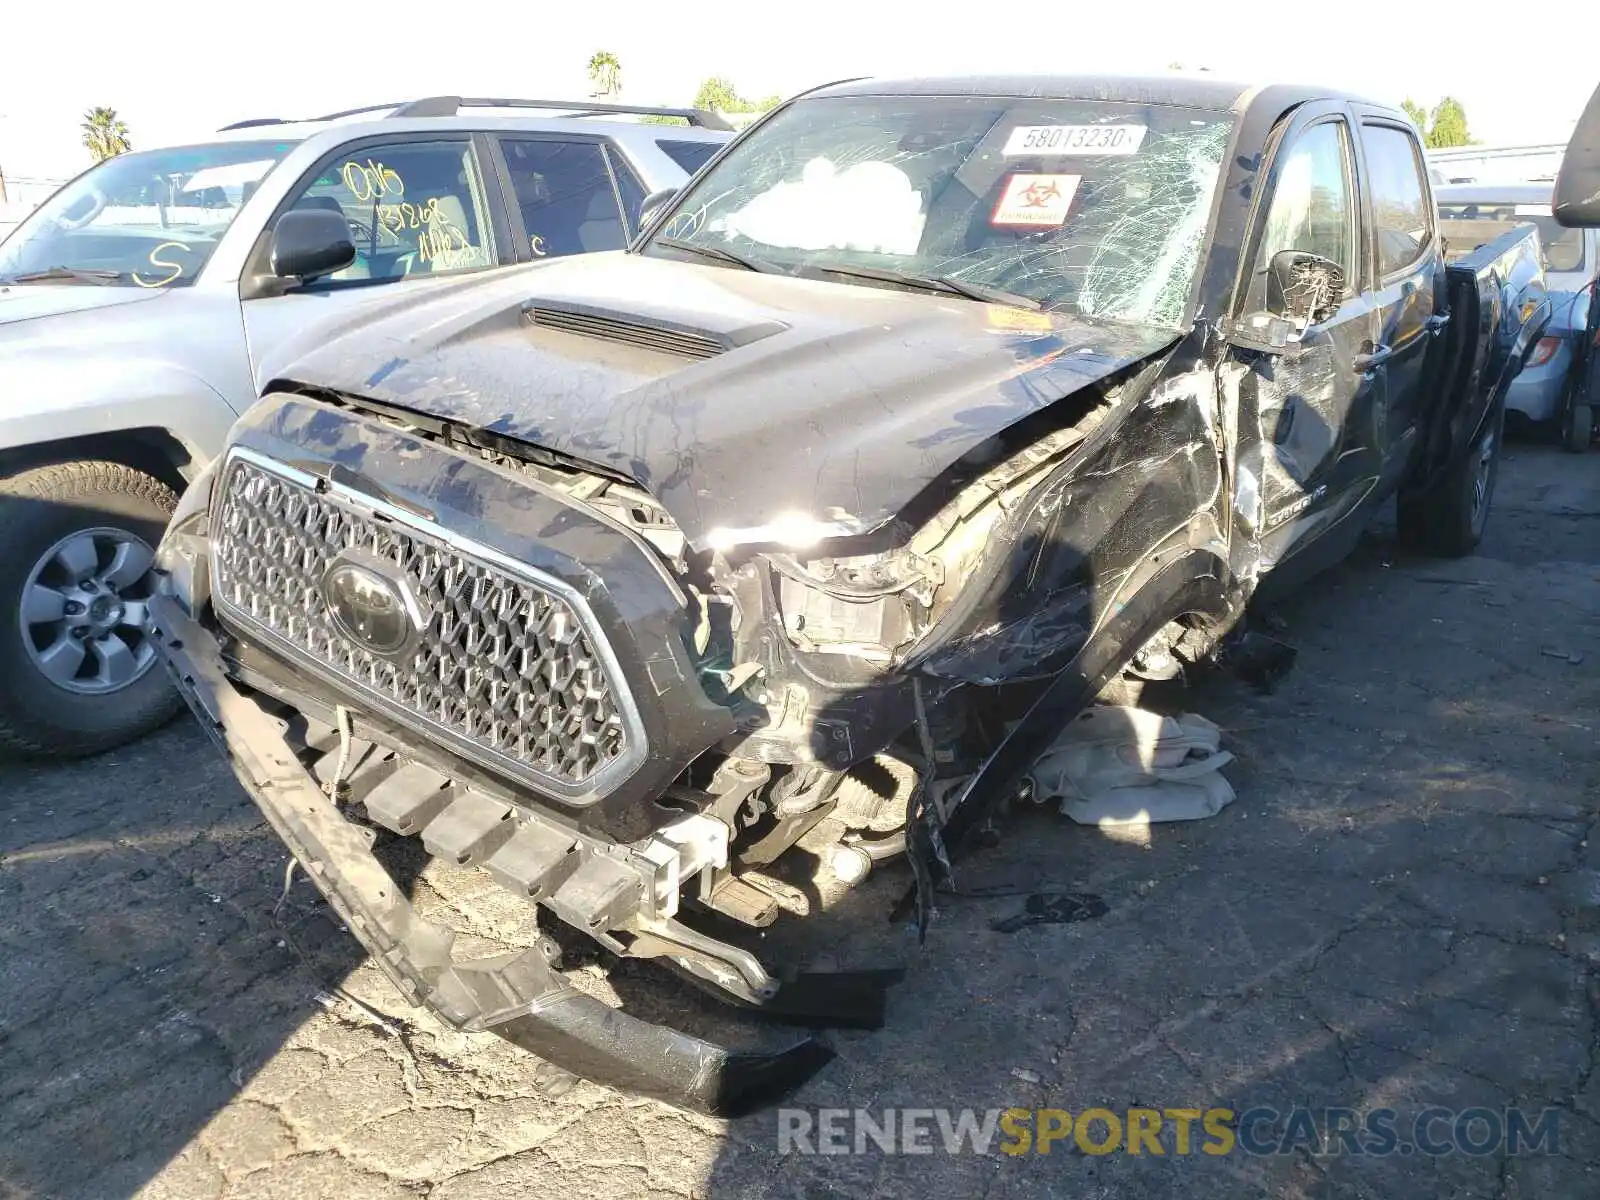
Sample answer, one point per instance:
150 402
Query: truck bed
1464 238
1498 308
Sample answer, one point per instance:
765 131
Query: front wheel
78 673
1448 520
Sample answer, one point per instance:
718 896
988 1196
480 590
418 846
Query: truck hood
744 402
29 301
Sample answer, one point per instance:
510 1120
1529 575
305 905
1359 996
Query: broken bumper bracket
516 995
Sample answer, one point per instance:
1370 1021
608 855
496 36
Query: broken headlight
869 606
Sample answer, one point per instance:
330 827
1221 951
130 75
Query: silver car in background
143 305
1544 391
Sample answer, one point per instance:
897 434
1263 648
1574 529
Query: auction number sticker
1036 201
1075 139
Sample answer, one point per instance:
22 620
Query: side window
691 156
1313 208
1399 197
631 189
565 194
414 208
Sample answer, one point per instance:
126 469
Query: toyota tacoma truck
926 411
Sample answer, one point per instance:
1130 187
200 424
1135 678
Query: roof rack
449 106
365 108
253 122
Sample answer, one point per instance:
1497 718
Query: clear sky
174 70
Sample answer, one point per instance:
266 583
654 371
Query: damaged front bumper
515 995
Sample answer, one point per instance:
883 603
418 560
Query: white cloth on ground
1117 766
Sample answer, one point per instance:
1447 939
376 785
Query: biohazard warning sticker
1035 201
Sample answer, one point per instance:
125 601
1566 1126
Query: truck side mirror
310 243
1263 333
1304 288
1577 195
653 204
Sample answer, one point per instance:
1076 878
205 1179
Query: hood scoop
668 337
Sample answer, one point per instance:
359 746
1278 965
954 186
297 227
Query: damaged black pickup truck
928 409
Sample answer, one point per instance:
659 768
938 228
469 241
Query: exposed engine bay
847 620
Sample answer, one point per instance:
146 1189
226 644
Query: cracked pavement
1402 909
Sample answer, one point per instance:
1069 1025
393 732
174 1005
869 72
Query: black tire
1449 520
1577 427
39 509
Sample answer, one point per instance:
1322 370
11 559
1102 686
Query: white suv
143 305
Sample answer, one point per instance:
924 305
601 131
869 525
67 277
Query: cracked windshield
1093 208
140 220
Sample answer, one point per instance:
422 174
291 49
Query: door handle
1284 424
1366 363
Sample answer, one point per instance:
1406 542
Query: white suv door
418 208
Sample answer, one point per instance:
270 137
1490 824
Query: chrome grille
503 666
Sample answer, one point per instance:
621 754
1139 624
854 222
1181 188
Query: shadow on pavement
134 1000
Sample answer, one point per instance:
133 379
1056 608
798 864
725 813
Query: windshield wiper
947 284
716 252
66 275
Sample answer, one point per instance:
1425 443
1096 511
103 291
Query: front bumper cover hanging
516 995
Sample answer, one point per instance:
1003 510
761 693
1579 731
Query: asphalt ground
1400 913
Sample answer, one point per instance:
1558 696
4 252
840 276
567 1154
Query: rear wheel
1577 427
77 541
1448 521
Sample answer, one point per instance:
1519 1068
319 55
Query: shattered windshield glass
1096 207
149 219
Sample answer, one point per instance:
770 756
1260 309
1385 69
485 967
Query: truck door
1408 281
1310 401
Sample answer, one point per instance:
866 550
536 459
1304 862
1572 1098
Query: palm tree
105 134
605 73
